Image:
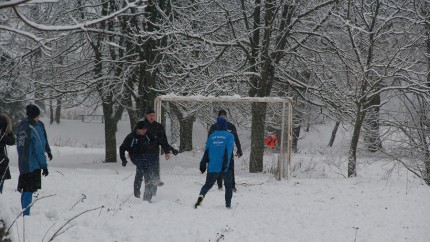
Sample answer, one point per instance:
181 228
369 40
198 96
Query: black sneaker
160 183
199 201
228 206
137 194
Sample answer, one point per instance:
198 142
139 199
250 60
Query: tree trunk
333 134
58 111
51 112
186 134
296 135
372 138
110 133
257 137
352 155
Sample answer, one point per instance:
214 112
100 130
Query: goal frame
284 161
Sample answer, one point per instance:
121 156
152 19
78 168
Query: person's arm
39 149
236 140
228 152
8 139
47 147
162 139
125 146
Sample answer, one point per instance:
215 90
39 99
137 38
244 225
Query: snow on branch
83 25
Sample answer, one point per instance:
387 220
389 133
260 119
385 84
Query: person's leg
138 181
1 186
26 199
232 169
228 183
150 182
157 173
211 178
219 181
210 181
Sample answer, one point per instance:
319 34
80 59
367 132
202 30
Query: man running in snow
232 129
217 157
156 130
138 144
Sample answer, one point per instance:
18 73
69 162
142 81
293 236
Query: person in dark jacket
232 129
6 138
217 158
156 130
140 145
31 146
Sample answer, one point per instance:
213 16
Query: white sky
318 204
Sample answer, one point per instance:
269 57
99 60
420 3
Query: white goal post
286 120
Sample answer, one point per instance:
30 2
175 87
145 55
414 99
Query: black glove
45 172
239 153
175 151
124 163
202 167
50 156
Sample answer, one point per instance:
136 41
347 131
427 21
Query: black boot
199 201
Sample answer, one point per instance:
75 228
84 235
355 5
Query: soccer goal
264 127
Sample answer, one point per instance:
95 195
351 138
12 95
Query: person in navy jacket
217 158
31 146
6 138
140 146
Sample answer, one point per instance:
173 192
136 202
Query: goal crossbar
285 160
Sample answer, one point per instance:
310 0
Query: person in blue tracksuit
31 146
232 129
217 158
139 144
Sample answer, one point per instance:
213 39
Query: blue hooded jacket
219 148
31 143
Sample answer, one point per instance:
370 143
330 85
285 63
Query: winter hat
221 123
150 110
32 111
222 112
142 125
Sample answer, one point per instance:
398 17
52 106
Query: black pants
219 179
146 168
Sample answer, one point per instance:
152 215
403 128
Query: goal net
264 127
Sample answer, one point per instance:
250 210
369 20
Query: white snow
318 204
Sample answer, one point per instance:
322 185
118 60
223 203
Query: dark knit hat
221 123
150 110
222 112
32 111
141 125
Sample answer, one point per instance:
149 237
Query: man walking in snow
138 144
217 157
232 129
156 130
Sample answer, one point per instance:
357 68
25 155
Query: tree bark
333 134
57 116
352 154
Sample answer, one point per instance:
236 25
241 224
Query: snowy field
384 203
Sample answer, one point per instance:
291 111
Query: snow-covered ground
384 203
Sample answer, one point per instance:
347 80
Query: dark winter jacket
230 128
5 139
136 145
218 150
156 131
31 146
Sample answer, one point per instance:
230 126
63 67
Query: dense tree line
362 63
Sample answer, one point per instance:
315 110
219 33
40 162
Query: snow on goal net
264 127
